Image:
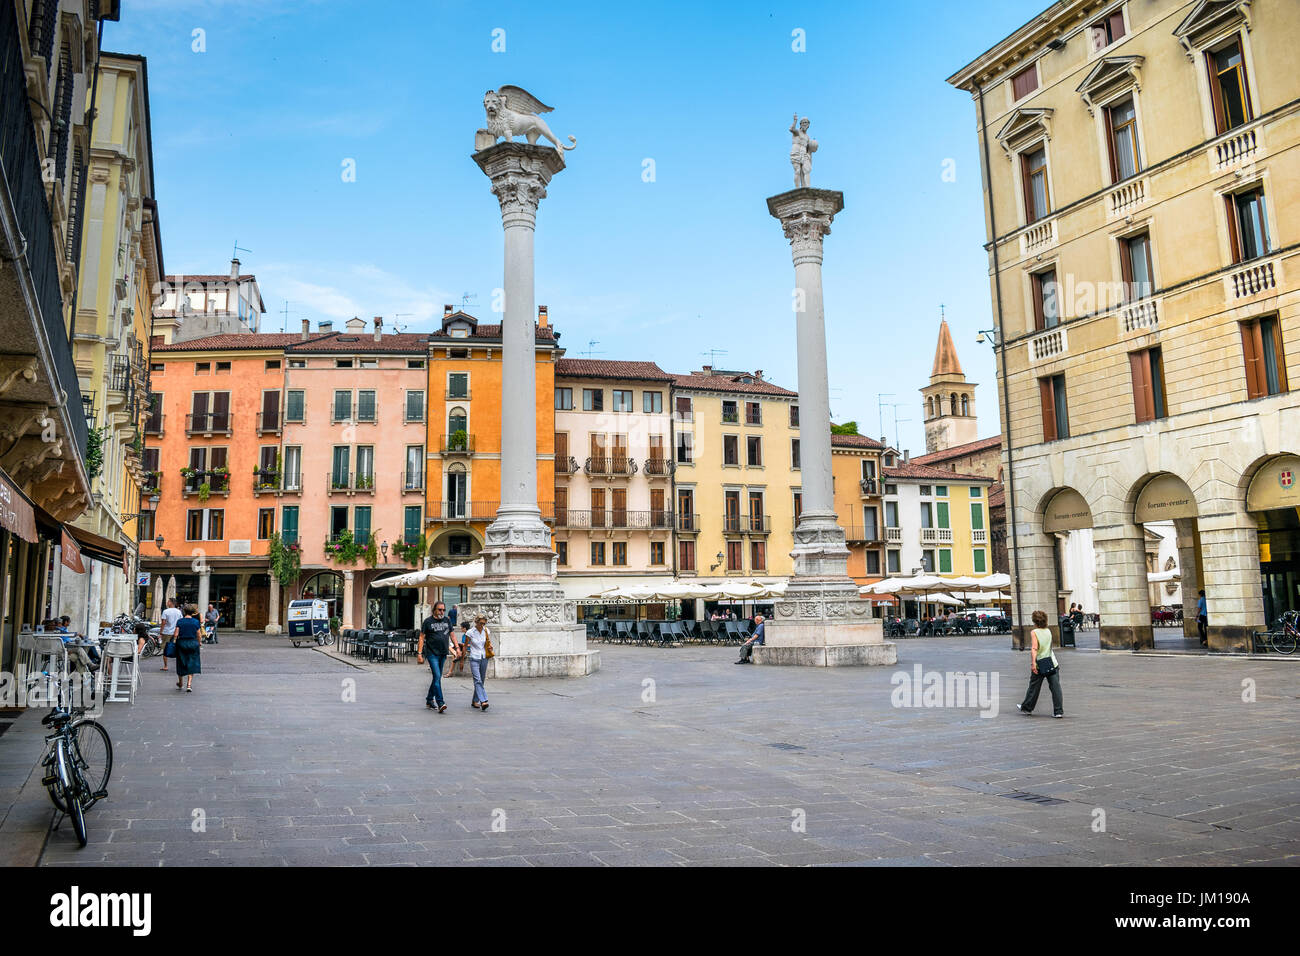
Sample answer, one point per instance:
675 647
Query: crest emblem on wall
1286 479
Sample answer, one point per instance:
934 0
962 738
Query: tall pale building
1142 200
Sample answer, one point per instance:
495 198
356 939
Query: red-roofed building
856 465
187 307
981 457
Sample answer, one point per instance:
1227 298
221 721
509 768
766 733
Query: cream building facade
613 474
121 260
1140 175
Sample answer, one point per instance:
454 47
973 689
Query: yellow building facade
1142 182
736 486
856 463
121 261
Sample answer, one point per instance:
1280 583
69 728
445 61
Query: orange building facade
855 470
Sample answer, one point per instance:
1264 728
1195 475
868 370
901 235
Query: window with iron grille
42 27
78 192
60 135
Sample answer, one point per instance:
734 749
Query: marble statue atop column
535 630
512 112
821 621
801 150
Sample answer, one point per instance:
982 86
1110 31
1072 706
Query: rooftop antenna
712 354
464 299
834 389
238 249
880 406
399 326
896 406
286 313
591 348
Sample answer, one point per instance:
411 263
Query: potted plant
205 491
459 440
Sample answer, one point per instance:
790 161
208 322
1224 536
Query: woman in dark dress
189 632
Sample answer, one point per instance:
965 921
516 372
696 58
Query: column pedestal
345 618
821 621
1038 586
1234 601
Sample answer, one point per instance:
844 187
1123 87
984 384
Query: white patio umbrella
466 573
984 582
158 595
940 598
171 588
1159 577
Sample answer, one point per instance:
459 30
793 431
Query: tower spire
945 353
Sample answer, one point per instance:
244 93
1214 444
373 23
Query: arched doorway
1166 511
1067 520
325 586
1273 500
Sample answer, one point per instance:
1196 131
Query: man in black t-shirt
435 638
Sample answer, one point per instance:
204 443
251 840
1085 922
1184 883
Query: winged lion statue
512 112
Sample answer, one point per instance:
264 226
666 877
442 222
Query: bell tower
948 402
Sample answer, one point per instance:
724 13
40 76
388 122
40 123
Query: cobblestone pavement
710 764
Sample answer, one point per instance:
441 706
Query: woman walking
478 642
1044 666
189 632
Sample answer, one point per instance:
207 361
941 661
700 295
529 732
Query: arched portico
1271 490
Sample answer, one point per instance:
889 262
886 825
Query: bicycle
77 764
1286 640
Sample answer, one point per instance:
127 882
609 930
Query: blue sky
250 138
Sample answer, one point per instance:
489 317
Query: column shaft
518 390
814 394
1234 598
1122 592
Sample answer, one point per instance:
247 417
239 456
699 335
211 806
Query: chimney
706 370
542 320
326 325
758 374
234 269
446 311
906 456
379 327
306 328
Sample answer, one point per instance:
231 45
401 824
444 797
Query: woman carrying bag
478 643
189 632
1044 666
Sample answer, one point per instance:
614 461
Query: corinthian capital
519 192
519 174
805 231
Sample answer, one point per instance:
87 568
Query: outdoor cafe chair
119 655
645 632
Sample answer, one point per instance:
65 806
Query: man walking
435 638
747 648
1202 619
211 618
170 617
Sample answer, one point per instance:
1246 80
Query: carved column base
821 622
535 631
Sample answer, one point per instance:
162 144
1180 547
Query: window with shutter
411 524
1229 91
365 405
293 405
1024 82
361 525
289 526
1265 359
1047 401
1033 169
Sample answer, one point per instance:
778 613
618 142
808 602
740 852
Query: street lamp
384 548
159 542
989 335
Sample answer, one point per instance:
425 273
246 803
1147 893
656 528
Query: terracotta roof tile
609 368
365 342
959 451
238 340
205 279
854 441
698 381
913 470
492 332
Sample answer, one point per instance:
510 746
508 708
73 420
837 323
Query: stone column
536 630
1037 583
205 586
241 602
273 608
346 616
1122 593
1189 570
1234 598
821 621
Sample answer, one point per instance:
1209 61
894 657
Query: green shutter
976 517
361 525
289 524
411 531
365 406
342 406
942 508
945 561
979 560
293 406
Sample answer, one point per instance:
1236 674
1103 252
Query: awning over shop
17 513
97 546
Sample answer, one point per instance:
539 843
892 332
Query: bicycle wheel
78 818
1284 642
94 753
150 648
55 789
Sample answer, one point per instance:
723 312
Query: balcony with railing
894 535
1142 314
1253 278
610 467
412 482
462 510
870 488
936 535
1125 197
688 523
216 482
1237 148
153 425
659 467
1049 344
457 443
120 379
339 482
269 423
858 534
152 484
265 481
757 524
612 519
979 536
208 424
566 465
